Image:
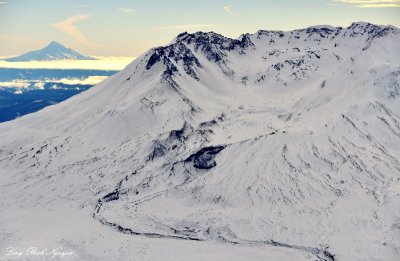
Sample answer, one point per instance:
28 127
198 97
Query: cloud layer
68 27
126 10
40 84
228 9
371 3
103 63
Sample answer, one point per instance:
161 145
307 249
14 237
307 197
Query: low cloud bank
103 63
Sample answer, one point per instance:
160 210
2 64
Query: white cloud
188 26
3 2
68 27
228 9
39 85
104 63
126 10
16 84
370 3
91 80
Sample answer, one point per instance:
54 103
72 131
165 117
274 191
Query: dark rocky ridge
215 47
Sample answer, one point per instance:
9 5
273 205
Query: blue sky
128 28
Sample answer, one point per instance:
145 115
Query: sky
131 27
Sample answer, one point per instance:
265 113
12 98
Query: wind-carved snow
278 141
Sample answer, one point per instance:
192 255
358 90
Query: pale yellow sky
129 28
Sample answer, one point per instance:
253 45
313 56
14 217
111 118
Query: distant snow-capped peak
53 51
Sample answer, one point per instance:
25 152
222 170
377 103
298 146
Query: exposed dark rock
182 133
208 124
174 140
277 66
159 150
155 57
111 196
205 158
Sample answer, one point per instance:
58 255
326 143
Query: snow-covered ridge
215 46
276 140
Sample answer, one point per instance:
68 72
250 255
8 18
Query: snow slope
276 145
54 51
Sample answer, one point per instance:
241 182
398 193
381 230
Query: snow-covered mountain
53 51
273 146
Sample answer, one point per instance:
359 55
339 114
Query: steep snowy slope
287 143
